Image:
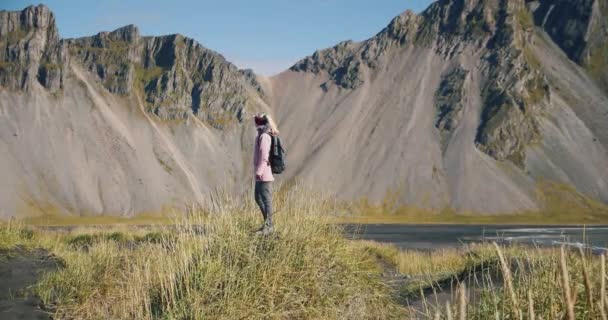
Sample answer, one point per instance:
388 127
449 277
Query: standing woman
265 127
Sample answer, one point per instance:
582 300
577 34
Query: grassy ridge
219 271
308 272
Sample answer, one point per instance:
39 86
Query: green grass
220 119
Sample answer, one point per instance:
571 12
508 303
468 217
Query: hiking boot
268 230
265 231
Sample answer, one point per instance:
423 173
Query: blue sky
265 35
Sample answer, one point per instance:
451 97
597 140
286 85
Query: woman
263 173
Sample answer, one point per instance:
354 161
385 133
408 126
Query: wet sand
19 270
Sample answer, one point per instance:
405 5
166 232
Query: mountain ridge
469 105
117 124
515 91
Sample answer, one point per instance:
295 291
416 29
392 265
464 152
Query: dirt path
19 270
430 298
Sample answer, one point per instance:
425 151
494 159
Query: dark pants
263 197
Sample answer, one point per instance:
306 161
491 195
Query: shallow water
427 237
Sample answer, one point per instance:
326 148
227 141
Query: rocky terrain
117 123
469 105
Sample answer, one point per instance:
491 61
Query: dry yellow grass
209 265
533 283
560 204
212 266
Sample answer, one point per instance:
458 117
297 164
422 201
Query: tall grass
212 266
489 281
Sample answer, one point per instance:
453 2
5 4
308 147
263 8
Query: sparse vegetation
531 58
561 204
145 75
598 64
16 35
477 26
167 167
526 21
6 66
425 35
51 66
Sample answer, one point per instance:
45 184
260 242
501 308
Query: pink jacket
261 153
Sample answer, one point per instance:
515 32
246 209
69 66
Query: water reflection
436 236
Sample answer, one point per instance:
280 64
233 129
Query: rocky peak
30 49
340 62
126 35
478 21
129 33
33 17
444 25
514 92
175 75
252 78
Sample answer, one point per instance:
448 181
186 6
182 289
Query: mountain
116 123
471 105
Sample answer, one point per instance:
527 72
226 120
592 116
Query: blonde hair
272 126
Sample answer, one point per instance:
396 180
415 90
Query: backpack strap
274 142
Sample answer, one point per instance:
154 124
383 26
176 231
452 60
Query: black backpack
277 155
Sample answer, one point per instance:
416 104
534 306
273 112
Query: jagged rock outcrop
569 23
346 62
340 62
110 56
175 75
30 49
580 29
450 102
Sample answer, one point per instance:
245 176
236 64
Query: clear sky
265 35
